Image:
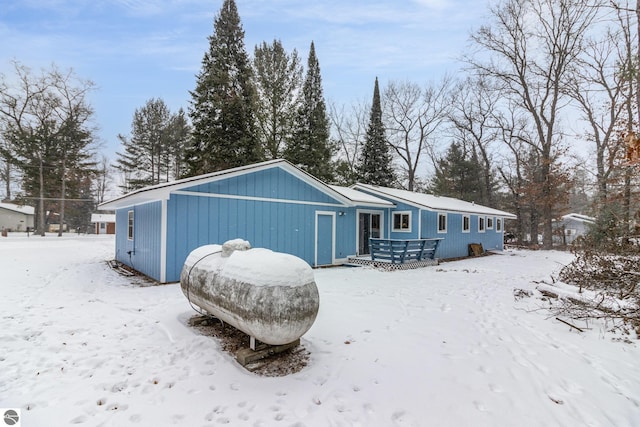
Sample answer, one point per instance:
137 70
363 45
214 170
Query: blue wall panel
122 244
415 218
143 252
270 183
193 221
456 242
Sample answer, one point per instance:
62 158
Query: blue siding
143 252
194 221
455 243
274 183
415 222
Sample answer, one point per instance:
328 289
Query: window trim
498 225
468 228
481 224
130 224
393 222
446 220
489 223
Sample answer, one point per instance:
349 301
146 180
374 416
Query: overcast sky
135 50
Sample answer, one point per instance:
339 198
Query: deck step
350 264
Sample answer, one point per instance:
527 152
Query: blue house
456 222
278 206
272 204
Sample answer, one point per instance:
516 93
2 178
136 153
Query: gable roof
26 210
360 198
431 202
579 217
164 190
103 217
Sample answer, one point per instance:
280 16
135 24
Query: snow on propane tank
268 295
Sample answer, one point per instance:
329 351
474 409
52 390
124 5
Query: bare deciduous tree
474 124
46 120
531 46
349 130
598 88
413 117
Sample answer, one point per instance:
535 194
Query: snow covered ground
440 346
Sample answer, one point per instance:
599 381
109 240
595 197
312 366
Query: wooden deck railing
401 251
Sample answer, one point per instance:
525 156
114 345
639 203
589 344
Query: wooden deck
395 254
398 251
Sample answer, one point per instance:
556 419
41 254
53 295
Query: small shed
571 226
16 217
458 223
104 223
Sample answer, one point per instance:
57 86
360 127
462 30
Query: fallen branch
569 324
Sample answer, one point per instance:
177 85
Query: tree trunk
533 226
7 179
41 201
62 196
547 206
626 202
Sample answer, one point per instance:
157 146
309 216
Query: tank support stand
259 351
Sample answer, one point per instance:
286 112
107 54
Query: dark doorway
368 227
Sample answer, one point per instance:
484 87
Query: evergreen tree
374 165
311 148
179 138
458 176
278 78
153 153
222 104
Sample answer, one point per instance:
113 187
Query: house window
402 221
498 224
490 223
442 222
466 224
130 226
102 226
481 224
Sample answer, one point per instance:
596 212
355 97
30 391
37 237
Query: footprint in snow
79 420
480 406
495 388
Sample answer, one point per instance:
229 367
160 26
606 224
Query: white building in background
15 217
571 226
104 223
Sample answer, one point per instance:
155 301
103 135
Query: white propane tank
268 295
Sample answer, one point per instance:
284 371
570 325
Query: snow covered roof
361 198
431 202
164 190
26 210
103 218
579 217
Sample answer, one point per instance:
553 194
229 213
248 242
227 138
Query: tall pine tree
374 164
311 148
222 105
154 151
278 79
458 175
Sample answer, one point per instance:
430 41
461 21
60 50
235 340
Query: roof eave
377 190
163 191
